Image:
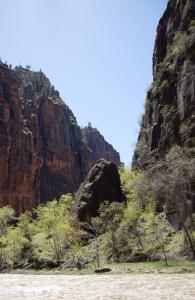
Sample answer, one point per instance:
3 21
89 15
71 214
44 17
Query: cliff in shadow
169 117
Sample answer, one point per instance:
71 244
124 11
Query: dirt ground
84 287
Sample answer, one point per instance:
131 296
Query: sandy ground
104 287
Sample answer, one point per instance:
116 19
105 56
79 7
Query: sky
97 54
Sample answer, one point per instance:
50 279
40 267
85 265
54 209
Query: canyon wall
168 123
169 117
43 151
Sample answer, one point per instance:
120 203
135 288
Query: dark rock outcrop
43 151
169 117
101 184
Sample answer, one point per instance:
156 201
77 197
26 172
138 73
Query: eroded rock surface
169 117
101 184
43 151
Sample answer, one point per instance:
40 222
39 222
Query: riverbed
97 287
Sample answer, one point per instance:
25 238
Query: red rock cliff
43 151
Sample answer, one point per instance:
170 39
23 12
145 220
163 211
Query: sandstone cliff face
43 152
19 171
169 117
95 147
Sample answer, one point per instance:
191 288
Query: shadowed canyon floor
103 287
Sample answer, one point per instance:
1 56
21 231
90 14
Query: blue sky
97 53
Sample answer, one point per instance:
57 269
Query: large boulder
102 183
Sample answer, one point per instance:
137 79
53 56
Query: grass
174 267
156 267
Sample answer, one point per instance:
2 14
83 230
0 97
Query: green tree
130 229
189 232
2 252
25 224
15 241
110 216
95 227
158 234
56 225
27 228
6 218
134 185
28 67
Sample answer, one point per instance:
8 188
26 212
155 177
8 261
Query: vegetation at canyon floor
136 236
